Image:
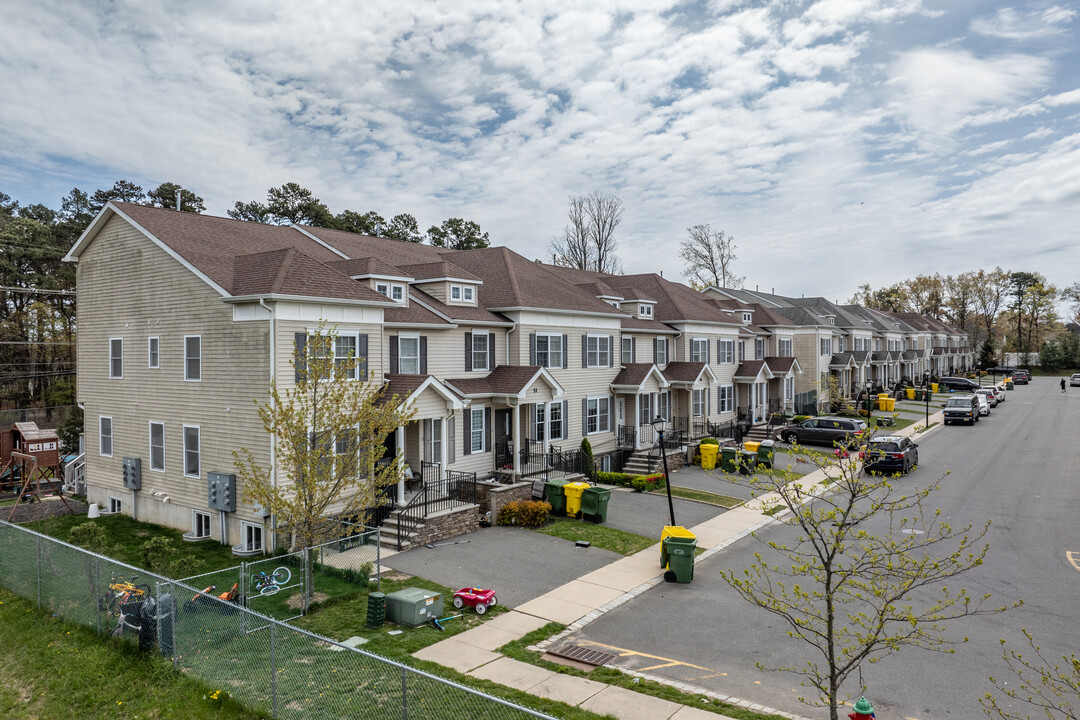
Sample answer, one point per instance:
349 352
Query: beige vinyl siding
480 463
805 346
446 350
438 290
286 344
130 288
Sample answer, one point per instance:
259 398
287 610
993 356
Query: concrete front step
388 533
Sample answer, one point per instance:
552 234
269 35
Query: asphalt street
1015 468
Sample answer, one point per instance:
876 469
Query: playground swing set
29 457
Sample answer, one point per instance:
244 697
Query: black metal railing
646 434
680 425
699 427
725 431
503 459
411 516
430 473
627 436
563 462
447 492
531 457
382 506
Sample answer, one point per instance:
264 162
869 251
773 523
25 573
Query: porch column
399 441
444 451
547 427
517 440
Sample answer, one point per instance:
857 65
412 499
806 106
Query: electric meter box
413 606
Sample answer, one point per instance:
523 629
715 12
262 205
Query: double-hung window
345 356
826 346
698 400
759 348
191 451
663 405
840 344
157 446
539 416
725 352
480 351
742 350
785 347
726 399
555 420
699 350
661 351
116 357
193 358
598 352
153 352
597 413
645 311
105 436
627 350
477 430
409 355
549 351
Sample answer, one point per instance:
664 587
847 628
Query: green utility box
765 453
594 502
728 454
413 606
556 497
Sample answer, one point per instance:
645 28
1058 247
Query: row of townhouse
185 320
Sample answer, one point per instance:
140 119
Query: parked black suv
890 454
1021 377
957 384
962 408
823 431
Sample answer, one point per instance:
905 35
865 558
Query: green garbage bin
765 453
594 502
677 549
553 489
727 459
747 462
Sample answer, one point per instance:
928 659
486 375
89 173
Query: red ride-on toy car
475 598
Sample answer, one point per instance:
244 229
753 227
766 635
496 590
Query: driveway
519 564
647 513
715 481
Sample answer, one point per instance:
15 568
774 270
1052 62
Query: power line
38 291
33 376
37 342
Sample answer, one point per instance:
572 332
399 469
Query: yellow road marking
1074 558
657 667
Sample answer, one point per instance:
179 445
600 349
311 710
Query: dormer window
383 288
613 303
645 311
462 293
832 320
467 293
746 317
455 292
393 291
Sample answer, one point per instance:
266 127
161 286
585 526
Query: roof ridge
283 269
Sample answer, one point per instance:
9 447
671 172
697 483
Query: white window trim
730 400
729 355
645 310
472 429
601 417
409 336
183 444
456 288
695 404
187 378
150 353
547 353
121 375
244 539
747 317
487 349
195 525
626 349
694 353
357 370
600 340
383 288
468 294
112 436
781 343
551 422
825 347
150 456
396 289
116 505
662 358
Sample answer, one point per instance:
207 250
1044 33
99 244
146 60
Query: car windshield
887 446
959 402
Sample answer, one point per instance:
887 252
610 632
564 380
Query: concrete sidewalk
580 601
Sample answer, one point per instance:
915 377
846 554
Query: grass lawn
601 536
55 670
703 496
518 650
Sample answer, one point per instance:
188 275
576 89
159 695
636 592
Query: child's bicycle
269 584
121 592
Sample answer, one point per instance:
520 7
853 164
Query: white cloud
1008 24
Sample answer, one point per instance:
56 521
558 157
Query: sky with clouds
838 141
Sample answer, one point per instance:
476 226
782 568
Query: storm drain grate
583 654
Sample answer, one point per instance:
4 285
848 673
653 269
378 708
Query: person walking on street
1062 384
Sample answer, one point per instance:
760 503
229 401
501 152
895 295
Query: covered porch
690 401
641 393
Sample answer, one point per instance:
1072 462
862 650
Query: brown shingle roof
683 371
287 271
394 252
403 385
414 313
440 269
674 302
503 380
636 323
780 364
355 267
749 368
462 313
632 374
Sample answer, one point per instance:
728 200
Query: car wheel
459 603
791 438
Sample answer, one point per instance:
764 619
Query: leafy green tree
289 203
164 196
253 211
328 430
121 191
458 234
851 594
370 223
405 228
987 354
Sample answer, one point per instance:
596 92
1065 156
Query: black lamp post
926 396
869 385
658 426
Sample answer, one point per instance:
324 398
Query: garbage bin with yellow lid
708 456
677 549
751 445
573 493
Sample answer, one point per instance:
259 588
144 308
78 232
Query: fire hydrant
863 710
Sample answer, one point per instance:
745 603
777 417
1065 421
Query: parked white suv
990 395
984 403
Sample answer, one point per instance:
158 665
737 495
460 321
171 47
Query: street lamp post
658 426
926 396
868 388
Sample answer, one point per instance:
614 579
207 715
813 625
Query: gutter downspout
273 438
507 351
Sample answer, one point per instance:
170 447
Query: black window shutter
707 350
361 357
393 355
708 397
565 420
633 350
656 351
611 413
667 350
611 351
300 355
468 351
584 351
532 348
565 353
488 430
719 399
491 351
423 354
428 432
466 432
450 441
584 417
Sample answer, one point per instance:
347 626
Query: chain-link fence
263 662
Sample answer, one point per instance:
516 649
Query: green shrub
588 465
709 441
527 513
647 483
799 418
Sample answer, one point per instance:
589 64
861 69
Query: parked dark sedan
823 431
890 454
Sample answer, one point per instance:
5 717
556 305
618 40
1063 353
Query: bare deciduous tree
710 255
588 240
1052 689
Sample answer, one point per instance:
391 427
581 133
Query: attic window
832 320
746 317
645 310
455 292
613 303
467 293
397 292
